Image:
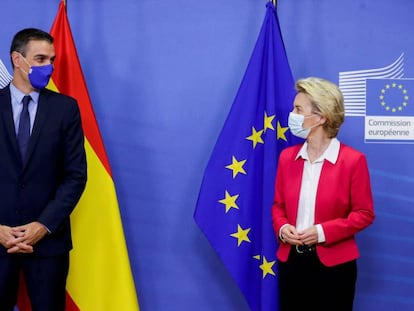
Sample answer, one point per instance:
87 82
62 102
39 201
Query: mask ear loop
317 124
25 60
322 119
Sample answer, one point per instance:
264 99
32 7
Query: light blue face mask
295 123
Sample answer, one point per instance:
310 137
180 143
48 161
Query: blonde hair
326 99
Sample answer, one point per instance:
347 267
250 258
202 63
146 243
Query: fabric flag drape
234 204
100 276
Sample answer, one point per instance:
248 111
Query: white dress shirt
309 187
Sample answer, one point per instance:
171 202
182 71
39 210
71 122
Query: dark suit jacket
48 186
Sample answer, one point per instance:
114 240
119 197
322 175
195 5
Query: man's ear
16 59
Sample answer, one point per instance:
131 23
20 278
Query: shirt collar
331 153
18 95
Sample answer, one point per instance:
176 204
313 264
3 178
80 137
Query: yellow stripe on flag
99 278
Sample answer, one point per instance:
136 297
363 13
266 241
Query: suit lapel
41 116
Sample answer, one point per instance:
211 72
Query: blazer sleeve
287 188
279 216
359 208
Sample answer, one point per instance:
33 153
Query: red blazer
343 206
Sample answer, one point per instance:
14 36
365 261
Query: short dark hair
23 37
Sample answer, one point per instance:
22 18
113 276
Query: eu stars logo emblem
389 110
390 97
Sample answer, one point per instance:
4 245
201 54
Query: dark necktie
23 134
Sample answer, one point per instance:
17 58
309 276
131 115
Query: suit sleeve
73 172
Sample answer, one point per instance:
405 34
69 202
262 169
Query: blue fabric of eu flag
234 204
390 97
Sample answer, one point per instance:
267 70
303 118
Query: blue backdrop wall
162 76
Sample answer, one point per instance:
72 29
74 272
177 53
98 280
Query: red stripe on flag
23 302
69 80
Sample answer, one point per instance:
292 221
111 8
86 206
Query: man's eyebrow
44 56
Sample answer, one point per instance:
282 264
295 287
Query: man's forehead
42 47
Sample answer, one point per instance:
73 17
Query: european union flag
236 195
390 97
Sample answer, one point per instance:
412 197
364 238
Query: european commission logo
384 98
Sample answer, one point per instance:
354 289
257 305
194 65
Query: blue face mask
39 76
295 123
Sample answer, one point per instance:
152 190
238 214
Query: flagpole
274 2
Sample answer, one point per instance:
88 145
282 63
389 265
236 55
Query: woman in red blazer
322 199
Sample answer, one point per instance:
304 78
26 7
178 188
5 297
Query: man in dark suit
42 176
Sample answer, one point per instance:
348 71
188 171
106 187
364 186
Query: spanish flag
100 276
